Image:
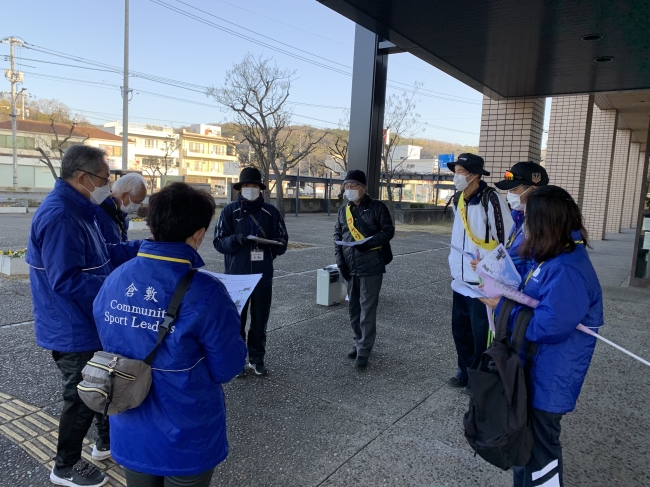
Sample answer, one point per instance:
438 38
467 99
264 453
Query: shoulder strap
115 215
501 325
172 312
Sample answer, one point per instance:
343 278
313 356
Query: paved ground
316 420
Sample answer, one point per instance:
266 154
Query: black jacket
376 218
235 219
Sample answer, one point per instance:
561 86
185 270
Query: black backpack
497 425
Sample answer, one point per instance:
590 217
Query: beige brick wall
595 201
630 185
637 191
511 131
568 142
617 181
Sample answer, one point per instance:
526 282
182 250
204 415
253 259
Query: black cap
473 163
356 176
249 175
527 172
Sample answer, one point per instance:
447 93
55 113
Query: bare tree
400 122
338 148
256 91
55 148
159 166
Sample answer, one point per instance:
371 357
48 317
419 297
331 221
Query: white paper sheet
458 249
461 287
239 287
352 244
498 265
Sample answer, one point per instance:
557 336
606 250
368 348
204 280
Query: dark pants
76 417
469 327
545 466
137 479
260 306
363 293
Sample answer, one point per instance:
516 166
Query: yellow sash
356 234
462 209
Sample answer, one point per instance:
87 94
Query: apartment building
207 157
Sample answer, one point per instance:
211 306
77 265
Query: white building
32 134
155 151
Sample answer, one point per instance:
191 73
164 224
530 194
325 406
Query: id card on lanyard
256 254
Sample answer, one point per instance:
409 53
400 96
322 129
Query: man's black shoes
82 474
361 362
352 353
458 381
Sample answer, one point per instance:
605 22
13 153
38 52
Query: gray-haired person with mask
362 265
128 193
69 261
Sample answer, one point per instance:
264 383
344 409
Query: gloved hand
364 247
241 239
345 272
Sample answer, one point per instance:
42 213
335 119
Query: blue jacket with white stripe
569 294
180 428
239 217
69 261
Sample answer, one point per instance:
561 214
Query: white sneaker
100 454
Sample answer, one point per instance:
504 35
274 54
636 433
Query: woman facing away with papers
564 282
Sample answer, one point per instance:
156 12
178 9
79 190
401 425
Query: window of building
21 142
196 147
218 167
150 143
220 150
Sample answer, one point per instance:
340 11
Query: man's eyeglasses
107 180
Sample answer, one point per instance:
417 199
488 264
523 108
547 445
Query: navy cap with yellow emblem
529 173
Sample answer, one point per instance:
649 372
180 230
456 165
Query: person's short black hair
178 211
551 216
82 158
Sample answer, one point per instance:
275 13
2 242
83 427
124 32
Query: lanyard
533 271
250 222
513 236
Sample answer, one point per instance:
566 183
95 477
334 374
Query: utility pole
125 92
22 97
14 78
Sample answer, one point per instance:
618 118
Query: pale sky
198 52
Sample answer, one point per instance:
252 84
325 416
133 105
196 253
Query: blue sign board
443 159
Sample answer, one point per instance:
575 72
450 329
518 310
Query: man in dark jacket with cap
362 266
251 216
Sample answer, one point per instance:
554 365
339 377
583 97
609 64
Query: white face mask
352 194
130 208
514 200
461 182
250 194
99 194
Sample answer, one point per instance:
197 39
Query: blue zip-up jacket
112 233
236 218
569 294
69 261
515 242
180 428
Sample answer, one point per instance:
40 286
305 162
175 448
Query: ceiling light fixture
603 59
592 37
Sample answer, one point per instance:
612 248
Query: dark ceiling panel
519 48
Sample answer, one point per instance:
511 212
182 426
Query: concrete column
511 131
630 186
595 201
567 147
638 185
617 181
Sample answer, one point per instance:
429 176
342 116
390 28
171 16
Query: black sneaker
352 353
457 382
83 474
242 373
361 362
258 369
467 390
101 450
